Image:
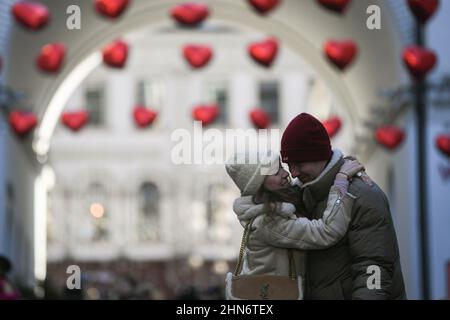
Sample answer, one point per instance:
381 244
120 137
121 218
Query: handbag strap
244 243
244 240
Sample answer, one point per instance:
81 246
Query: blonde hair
272 199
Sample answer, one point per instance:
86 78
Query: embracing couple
332 218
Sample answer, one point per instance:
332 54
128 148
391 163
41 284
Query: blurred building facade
130 201
16 213
110 193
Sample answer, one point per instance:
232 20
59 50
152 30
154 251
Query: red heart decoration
264 6
143 117
419 61
264 52
338 6
423 9
332 125
197 55
30 14
260 118
22 122
51 57
443 144
389 136
206 113
341 53
111 8
75 120
115 54
190 14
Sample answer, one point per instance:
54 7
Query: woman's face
278 181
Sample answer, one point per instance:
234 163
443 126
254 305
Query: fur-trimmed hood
246 209
336 158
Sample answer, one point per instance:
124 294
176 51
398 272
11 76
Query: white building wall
16 231
295 91
243 96
22 242
126 156
119 97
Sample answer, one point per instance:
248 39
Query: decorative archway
294 23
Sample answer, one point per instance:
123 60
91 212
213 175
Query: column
295 88
119 102
243 97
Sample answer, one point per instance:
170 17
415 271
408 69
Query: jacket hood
337 155
246 209
316 190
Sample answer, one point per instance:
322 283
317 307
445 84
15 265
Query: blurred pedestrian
7 290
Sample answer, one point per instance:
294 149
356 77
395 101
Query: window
94 98
94 215
150 93
217 213
269 99
216 92
211 206
148 222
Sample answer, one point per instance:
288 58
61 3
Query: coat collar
318 189
246 209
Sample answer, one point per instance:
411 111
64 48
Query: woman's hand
350 167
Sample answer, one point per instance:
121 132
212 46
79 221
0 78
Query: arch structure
302 28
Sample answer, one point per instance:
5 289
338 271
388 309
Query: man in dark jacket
365 264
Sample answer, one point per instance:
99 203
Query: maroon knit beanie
305 140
